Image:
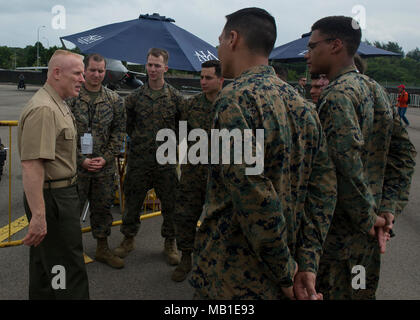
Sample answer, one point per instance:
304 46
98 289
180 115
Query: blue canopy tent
131 40
295 51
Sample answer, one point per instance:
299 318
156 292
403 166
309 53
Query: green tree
414 54
5 57
383 69
29 56
390 46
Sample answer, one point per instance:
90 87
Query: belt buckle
60 184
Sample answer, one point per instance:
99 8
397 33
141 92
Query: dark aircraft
116 75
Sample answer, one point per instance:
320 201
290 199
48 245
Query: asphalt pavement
146 276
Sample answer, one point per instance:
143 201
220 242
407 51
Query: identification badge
86 143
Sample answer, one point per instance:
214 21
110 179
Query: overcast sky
383 20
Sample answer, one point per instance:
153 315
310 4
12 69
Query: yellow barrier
10 124
119 222
121 162
9 243
84 230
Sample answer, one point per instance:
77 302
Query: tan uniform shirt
46 131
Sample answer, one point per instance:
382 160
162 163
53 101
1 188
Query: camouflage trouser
335 277
100 191
136 184
198 295
191 195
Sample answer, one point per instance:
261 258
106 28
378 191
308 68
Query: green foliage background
386 70
26 57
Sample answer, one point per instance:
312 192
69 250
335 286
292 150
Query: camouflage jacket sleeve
345 141
399 170
71 102
320 203
118 129
258 210
130 103
183 105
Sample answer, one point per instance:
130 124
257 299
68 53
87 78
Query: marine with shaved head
47 148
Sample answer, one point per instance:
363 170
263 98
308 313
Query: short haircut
157 52
60 52
95 57
213 64
257 27
340 27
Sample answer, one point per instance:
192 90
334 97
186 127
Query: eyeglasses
312 45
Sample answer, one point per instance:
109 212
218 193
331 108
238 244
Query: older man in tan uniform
47 148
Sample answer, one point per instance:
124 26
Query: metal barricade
393 98
10 124
414 99
23 223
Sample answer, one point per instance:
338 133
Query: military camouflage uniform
301 90
108 119
191 193
257 226
374 161
148 111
